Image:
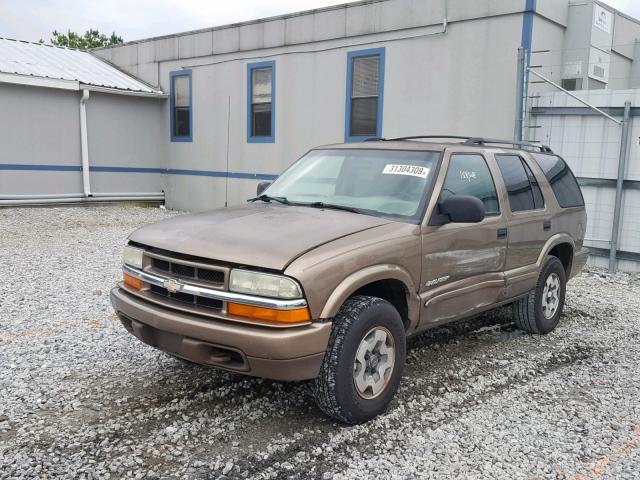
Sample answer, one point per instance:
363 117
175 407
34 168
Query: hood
257 234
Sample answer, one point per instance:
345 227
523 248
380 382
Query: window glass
538 199
378 182
365 90
516 180
563 183
261 93
181 96
470 175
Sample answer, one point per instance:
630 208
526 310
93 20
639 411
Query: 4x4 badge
172 285
437 281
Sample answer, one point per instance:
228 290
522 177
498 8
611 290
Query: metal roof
26 62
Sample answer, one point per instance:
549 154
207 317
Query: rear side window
522 187
469 174
538 199
563 183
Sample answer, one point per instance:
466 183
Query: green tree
91 39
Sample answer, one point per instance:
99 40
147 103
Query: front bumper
288 354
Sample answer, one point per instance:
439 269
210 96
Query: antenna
226 176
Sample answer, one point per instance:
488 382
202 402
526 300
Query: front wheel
539 312
364 361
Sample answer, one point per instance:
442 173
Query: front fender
368 275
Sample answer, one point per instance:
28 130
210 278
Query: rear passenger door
528 221
462 266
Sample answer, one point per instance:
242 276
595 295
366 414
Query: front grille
187 298
203 274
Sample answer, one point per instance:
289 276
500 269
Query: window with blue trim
181 106
365 91
261 79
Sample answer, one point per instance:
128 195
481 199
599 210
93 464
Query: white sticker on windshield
412 170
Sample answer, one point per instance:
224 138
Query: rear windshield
563 182
391 183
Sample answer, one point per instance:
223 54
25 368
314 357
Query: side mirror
262 186
463 209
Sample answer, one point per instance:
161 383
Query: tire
531 313
335 390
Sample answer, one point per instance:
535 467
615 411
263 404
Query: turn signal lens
270 315
132 282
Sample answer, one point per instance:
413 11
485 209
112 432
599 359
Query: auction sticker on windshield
412 170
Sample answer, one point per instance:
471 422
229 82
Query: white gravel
81 398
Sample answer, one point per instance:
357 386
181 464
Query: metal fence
596 134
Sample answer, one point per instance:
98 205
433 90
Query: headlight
265 284
132 256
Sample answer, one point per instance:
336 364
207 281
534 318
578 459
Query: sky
134 19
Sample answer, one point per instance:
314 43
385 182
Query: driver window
469 174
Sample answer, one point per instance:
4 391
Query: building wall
39 127
435 82
40 138
126 133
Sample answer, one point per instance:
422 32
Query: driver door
463 263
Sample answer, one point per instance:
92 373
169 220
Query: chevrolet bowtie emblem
172 285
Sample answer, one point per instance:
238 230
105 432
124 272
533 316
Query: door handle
502 233
546 226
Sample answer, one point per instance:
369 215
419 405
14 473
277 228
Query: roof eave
34 81
73 85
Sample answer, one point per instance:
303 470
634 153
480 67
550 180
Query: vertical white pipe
84 143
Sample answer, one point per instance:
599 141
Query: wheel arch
378 278
562 246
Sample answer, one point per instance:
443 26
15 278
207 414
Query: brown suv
352 249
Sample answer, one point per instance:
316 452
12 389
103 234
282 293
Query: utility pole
622 166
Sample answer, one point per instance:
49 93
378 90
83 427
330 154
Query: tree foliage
91 39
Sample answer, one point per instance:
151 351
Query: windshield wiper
333 207
267 199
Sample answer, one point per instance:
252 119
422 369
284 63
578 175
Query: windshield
383 182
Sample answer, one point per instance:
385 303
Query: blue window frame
261 102
181 106
365 94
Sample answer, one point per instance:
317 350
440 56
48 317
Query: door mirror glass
262 186
462 209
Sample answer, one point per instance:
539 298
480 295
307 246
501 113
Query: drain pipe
84 143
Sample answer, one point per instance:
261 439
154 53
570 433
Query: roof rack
470 141
421 137
484 141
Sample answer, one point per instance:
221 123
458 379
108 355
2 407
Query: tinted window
470 175
538 199
524 193
563 183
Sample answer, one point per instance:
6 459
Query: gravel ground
81 398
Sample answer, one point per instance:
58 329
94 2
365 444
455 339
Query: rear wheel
363 365
539 312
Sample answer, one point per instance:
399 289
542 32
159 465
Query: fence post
622 166
520 93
